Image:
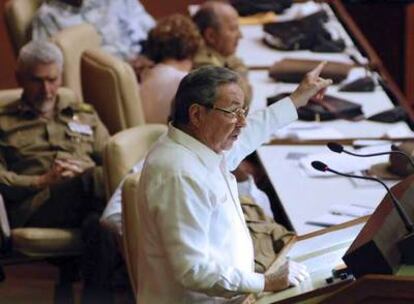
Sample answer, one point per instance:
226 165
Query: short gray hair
39 52
199 87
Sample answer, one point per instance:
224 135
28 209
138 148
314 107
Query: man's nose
241 121
239 33
47 87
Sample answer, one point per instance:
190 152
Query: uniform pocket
80 142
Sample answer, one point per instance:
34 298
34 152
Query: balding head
218 24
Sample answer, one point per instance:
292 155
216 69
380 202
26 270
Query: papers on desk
401 130
299 10
308 131
340 213
342 162
350 210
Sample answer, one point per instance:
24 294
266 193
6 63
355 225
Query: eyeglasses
236 113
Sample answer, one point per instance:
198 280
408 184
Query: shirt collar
210 158
63 105
67 7
213 53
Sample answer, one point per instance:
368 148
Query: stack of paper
308 131
342 162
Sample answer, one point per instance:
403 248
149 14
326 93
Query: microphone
320 166
406 244
338 148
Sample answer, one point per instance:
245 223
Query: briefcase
329 108
293 70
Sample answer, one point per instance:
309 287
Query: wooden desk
320 252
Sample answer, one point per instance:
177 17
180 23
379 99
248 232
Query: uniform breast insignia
80 128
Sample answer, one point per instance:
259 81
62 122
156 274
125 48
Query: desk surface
372 103
305 198
256 54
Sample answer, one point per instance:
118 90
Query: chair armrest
4 227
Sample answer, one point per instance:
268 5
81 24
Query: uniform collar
67 7
63 105
210 158
213 53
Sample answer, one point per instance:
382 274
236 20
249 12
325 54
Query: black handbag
251 7
329 108
307 33
393 115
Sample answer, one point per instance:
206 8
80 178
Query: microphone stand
406 243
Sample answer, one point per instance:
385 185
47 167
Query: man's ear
196 114
210 36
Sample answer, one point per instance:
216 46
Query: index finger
317 71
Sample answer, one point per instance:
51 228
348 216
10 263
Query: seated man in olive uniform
50 151
219 26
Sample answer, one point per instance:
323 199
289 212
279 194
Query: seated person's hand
61 170
289 274
311 86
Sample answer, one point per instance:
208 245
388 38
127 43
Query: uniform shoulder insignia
84 107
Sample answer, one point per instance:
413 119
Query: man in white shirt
194 246
122 24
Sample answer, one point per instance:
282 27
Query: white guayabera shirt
194 245
122 24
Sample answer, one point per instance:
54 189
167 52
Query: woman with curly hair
171 44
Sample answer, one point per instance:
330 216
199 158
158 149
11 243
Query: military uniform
208 56
268 237
29 144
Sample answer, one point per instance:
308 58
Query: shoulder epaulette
84 107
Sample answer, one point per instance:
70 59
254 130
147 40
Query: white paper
308 131
349 210
342 162
401 130
370 142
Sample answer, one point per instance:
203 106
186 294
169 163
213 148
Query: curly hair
174 37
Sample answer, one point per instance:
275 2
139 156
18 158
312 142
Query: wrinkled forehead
230 94
41 71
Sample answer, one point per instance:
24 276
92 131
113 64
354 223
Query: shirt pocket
21 139
80 142
218 194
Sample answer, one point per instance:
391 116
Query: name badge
80 128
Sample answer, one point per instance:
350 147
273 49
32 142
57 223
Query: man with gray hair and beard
51 154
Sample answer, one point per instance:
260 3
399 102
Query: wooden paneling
7 58
389 27
409 53
163 8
